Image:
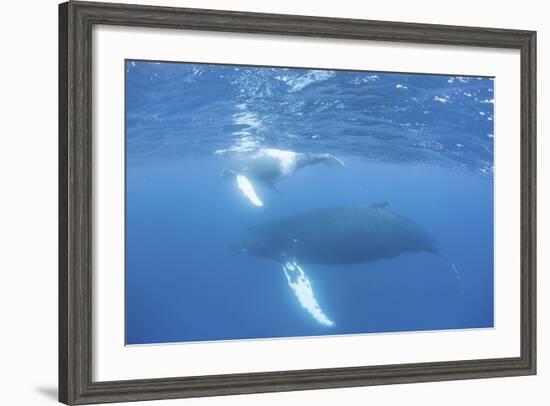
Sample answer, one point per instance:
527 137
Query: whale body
334 236
270 165
337 236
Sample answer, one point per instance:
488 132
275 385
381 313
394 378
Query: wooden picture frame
76 20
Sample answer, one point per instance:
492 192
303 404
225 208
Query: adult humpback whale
334 236
269 165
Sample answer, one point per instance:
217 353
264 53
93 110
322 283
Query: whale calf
269 165
334 236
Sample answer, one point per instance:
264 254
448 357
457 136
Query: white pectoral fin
301 286
248 190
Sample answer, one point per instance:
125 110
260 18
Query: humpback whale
334 236
269 165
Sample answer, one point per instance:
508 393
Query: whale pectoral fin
301 286
273 187
248 190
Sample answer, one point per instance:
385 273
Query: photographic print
273 202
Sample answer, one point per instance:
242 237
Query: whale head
258 243
229 174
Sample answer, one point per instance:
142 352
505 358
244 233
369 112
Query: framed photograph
256 202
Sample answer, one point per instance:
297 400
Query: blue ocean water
421 143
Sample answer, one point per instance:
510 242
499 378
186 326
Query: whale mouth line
239 248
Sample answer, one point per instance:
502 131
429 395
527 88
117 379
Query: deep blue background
422 143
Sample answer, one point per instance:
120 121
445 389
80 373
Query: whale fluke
330 160
453 267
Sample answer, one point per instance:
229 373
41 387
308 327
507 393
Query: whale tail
331 161
453 268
